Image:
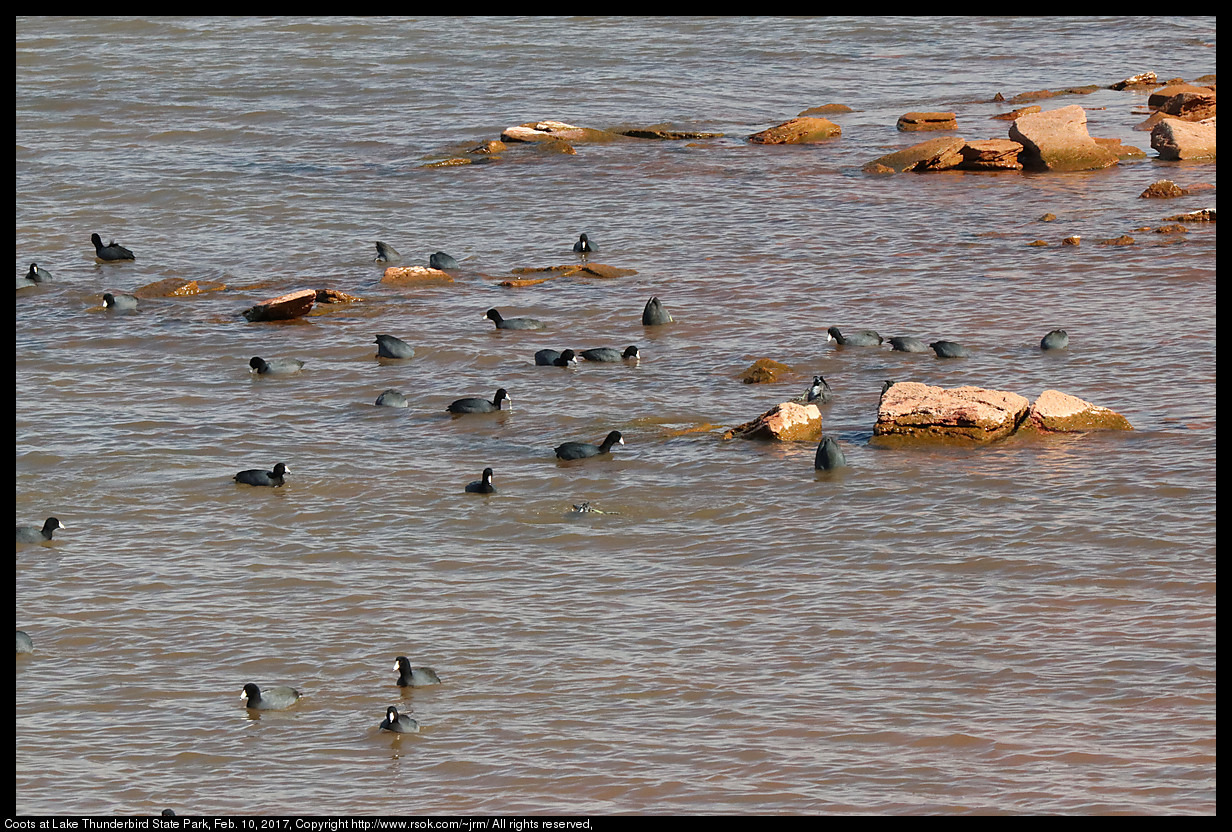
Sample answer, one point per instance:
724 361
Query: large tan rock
283 308
415 274
1055 411
797 131
1176 139
972 414
934 154
1058 140
785 422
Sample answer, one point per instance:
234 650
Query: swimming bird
654 313
385 253
829 455
483 486
609 355
581 450
277 698
949 349
37 275
276 366
584 245
819 391
415 677
905 343
399 723
442 261
35 534
120 302
513 323
552 358
255 476
863 338
388 346
24 643
391 398
1058 339
477 405
111 251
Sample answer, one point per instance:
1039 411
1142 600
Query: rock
489 147
415 274
1172 229
1049 217
1055 411
600 270
1205 215
1160 96
973 414
334 296
1123 240
1021 111
826 109
666 134
764 371
284 308
877 167
1072 240
797 131
785 422
1163 189
934 154
1176 139
548 146
449 163
991 154
910 122
1149 125
1058 140
1122 151
1037 243
1037 95
540 131
1143 79
1190 106
174 287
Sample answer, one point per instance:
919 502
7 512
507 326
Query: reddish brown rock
334 296
991 154
911 122
1123 240
1160 96
1143 79
1072 240
1176 139
540 131
1058 140
1055 411
284 308
972 414
1021 111
1037 95
1163 189
797 131
934 154
1172 229
1037 243
1190 106
174 287
826 109
786 422
600 270
1205 215
1149 125
489 147
415 274
764 371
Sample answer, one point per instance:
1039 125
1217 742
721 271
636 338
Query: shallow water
1027 627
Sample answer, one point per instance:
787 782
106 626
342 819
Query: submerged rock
971 414
764 371
797 131
1058 140
785 422
541 131
910 122
991 154
1163 189
934 154
1055 411
415 274
174 287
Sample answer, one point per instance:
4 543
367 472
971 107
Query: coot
255 476
581 450
476 405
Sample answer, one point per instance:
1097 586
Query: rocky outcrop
174 287
934 154
1058 140
797 131
1055 411
1176 139
1160 96
283 308
968 414
911 122
785 422
415 274
541 131
764 371
991 154
1190 106
1163 189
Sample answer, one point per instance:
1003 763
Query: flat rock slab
972 414
1055 411
283 308
174 287
1058 140
1174 139
415 274
798 131
934 154
541 131
664 134
785 422
909 122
